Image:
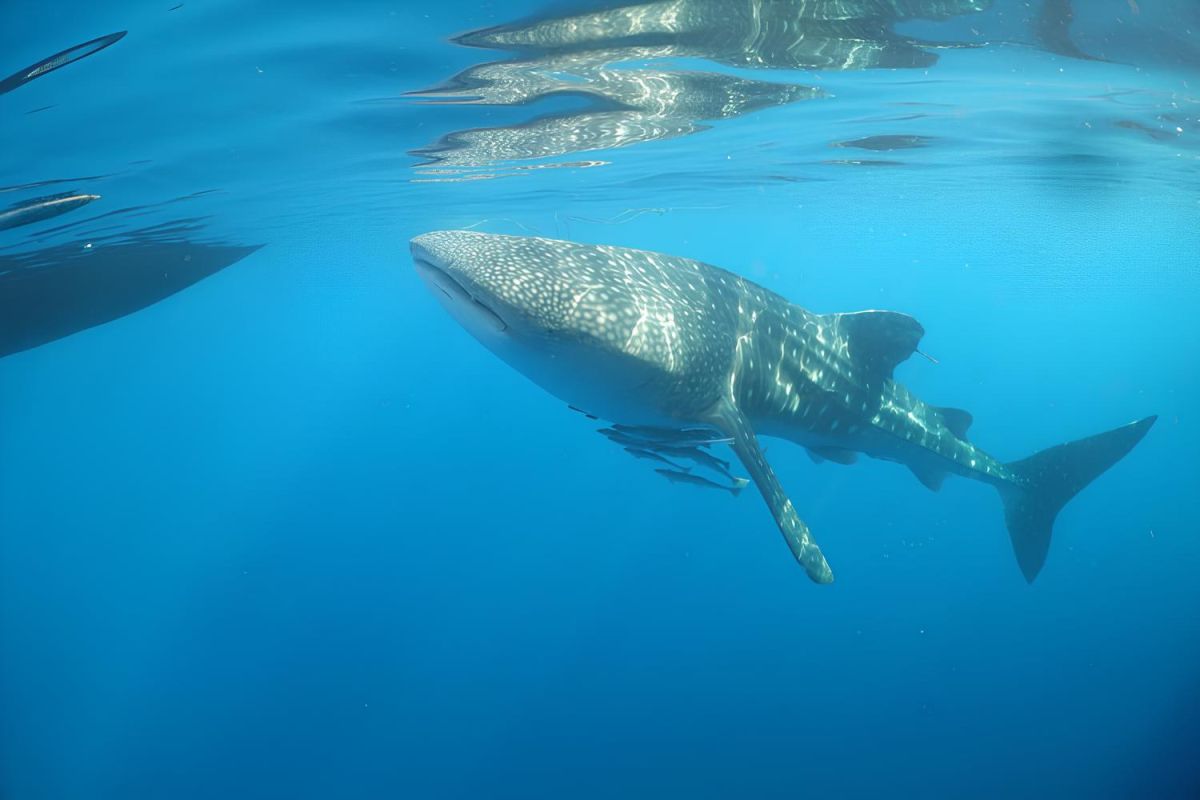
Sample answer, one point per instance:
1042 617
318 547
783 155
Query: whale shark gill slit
458 297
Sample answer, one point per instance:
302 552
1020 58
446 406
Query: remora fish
701 457
650 339
624 439
625 435
650 455
687 437
686 477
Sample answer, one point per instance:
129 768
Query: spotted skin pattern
644 338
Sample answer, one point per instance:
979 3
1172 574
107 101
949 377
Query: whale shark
655 342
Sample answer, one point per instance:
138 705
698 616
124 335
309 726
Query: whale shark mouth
459 298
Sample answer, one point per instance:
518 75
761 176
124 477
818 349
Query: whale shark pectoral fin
745 444
879 340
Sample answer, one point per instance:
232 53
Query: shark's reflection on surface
613 58
627 105
771 34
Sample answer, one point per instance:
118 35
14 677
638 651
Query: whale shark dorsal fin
730 421
957 420
879 340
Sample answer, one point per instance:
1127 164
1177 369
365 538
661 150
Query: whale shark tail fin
1047 482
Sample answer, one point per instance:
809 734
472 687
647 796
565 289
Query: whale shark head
589 323
444 262
549 308
505 290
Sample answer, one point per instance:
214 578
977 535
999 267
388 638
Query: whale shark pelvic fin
729 420
931 479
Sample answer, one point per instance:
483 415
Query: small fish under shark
676 476
650 455
650 444
653 341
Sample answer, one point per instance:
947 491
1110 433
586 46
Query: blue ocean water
273 526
